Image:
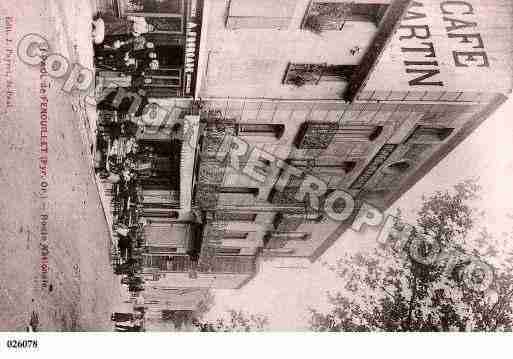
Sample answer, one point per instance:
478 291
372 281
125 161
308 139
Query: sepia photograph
255 166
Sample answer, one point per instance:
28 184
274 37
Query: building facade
363 97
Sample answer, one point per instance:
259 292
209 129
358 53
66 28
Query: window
331 16
239 190
167 24
172 263
235 235
159 213
227 251
235 217
319 135
228 264
397 168
345 166
267 129
160 249
155 6
262 14
279 240
291 236
353 133
163 77
425 134
312 74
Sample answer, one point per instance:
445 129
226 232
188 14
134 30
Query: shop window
312 74
332 16
162 79
262 14
167 24
265 130
171 263
155 6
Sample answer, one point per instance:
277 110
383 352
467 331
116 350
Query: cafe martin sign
449 45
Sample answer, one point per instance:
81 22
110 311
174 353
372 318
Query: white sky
284 294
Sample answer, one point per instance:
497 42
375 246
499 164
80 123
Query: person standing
135 25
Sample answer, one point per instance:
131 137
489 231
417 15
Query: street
82 290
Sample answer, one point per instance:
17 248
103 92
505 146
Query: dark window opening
320 135
170 56
398 168
235 217
239 190
431 134
155 213
160 249
357 133
171 263
235 235
311 74
332 16
155 6
256 129
291 236
227 251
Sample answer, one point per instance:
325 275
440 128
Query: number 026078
21 344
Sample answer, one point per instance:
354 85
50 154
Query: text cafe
176 38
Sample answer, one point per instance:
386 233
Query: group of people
121 45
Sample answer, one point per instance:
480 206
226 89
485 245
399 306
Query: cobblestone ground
82 289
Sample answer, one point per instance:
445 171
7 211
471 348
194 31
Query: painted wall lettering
467 45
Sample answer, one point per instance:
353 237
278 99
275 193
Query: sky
284 289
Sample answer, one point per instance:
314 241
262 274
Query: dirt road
81 289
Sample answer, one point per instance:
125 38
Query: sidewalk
81 51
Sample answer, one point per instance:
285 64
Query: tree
237 321
444 274
205 304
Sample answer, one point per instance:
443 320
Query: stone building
361 98
366 96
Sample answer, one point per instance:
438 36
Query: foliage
237 321
387 289
205 304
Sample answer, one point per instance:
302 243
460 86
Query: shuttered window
329 16
312 74
235 217
318 135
